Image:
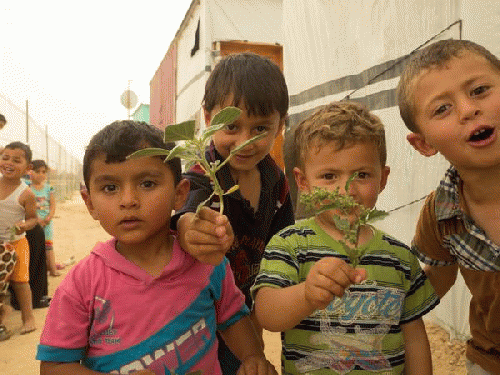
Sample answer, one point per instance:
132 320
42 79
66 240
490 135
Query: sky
72 60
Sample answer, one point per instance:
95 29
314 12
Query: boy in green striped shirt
337 319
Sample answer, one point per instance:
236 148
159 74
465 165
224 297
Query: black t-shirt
252 230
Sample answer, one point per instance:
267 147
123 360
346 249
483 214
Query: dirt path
75 233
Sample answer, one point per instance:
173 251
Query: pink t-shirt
116 318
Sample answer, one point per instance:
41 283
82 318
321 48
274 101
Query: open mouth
481 135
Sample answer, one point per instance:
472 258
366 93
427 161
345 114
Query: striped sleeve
279 267
420 296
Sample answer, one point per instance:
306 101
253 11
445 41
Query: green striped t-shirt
359 333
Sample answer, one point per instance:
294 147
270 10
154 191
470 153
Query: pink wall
163 89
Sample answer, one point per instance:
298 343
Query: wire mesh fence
65 169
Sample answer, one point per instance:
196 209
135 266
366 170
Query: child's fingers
212 216
318 297
341 272
333 275
205 248
336 270
360 275
212 222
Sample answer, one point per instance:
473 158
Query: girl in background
46 207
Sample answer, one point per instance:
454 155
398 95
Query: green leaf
244 144
350 180
374 214
226 116
211 131
148 152
177 152
341 224
179 132
232 190
201 204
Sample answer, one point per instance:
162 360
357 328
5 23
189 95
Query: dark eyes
328 176
441 109
479 90
258 129
109 188
148 184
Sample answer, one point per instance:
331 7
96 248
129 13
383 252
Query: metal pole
27 124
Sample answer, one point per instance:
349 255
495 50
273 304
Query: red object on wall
163 88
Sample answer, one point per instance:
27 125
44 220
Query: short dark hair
39 163
2 118
250 80
433 56
28 154
345 122
122 138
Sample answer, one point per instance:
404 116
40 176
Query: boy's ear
300 180
88 202
383 180
420 144
207 115
281 125
181 193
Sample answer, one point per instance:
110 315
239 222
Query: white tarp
251 20
336 48
220 20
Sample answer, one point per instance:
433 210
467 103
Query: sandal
4 333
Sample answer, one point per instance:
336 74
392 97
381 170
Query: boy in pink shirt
138 303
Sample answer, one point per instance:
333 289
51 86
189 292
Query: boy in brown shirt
449 98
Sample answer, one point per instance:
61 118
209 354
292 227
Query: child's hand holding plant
328 278
320 200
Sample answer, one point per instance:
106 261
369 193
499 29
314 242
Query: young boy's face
458 112
328 168
133 200
13 163
38 175
243 129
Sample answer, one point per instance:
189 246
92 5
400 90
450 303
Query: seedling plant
193 149
321 200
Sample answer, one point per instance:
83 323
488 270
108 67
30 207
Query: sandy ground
75 233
